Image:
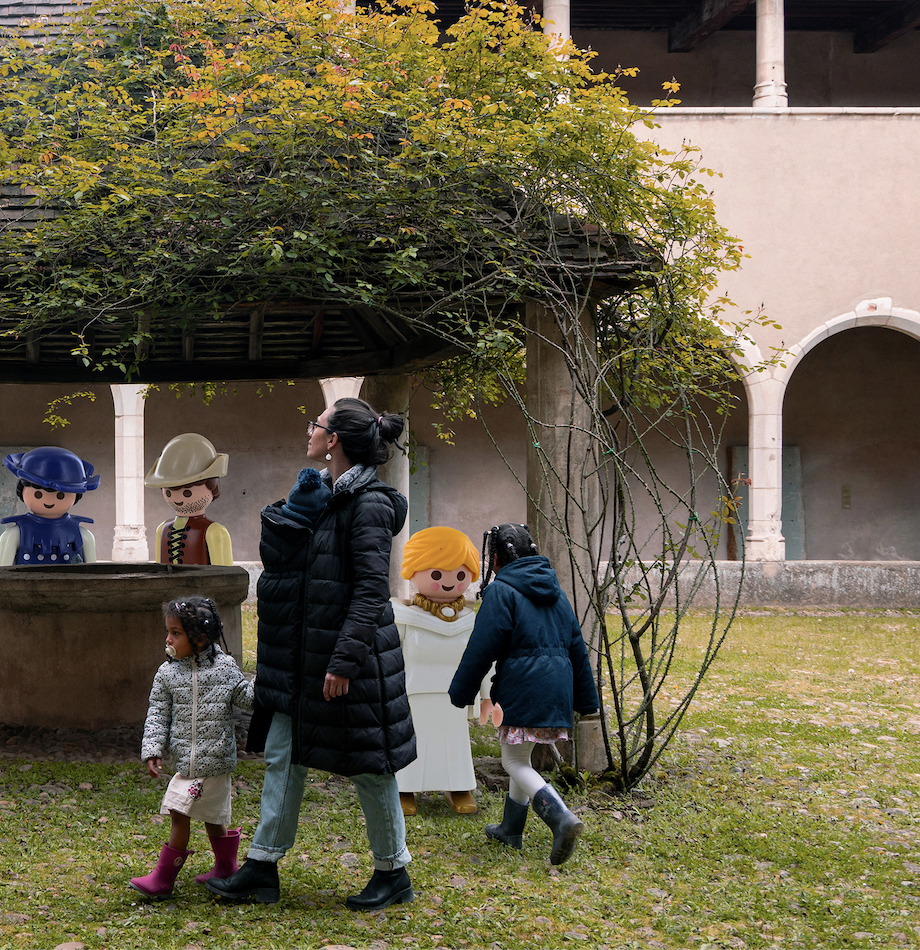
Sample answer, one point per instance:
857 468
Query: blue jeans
282 794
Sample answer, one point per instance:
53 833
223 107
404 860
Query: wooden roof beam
881 30
709 17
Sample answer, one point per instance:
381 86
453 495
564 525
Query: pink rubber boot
159 882
225 851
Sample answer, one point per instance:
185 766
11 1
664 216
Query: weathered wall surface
850 408
825 584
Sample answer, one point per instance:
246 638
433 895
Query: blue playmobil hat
54 469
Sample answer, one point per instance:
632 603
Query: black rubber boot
384 888
510 831
565 826
255 880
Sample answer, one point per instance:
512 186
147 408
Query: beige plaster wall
472 486
823 203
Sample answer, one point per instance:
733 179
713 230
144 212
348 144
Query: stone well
79 644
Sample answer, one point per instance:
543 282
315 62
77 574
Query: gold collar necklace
455 606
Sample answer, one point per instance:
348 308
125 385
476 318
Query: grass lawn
786 815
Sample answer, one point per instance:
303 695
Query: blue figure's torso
49 540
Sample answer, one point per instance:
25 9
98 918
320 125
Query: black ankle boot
383 889
565 826
510 831
255 880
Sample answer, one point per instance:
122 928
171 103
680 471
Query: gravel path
121 744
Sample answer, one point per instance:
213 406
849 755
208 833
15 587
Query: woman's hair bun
391 427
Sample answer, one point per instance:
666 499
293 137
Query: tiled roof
273 339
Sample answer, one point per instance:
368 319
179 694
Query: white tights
526 781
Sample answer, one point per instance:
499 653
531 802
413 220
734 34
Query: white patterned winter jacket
191 716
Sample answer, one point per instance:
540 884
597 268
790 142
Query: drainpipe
770 88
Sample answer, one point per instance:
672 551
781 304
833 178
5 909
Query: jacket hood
533 577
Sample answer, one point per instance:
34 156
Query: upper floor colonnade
770 84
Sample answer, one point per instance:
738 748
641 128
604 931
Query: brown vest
185 545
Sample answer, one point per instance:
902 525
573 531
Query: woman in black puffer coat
331 690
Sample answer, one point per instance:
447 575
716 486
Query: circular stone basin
80 643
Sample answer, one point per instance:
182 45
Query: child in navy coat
527 627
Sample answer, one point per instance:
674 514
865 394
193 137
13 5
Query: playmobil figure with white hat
188 473
51 482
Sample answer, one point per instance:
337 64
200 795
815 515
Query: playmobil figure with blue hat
51 481
188 472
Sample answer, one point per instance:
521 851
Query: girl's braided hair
201 623
504 543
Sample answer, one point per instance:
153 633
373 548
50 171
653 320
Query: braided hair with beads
201 623
502 544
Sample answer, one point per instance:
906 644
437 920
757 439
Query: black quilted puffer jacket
324 606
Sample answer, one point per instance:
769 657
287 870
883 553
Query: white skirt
205 799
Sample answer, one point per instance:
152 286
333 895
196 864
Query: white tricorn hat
185 459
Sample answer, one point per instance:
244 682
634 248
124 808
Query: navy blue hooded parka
528 628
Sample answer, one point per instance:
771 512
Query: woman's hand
334 686
153 767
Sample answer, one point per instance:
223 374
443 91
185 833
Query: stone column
391 394
562 493
563 498
765 540
557 16
340 387
770 86
130 539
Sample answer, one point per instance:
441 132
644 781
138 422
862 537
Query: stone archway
849 404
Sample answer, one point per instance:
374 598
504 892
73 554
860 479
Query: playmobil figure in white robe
434 628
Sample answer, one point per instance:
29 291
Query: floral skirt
205 799
542 735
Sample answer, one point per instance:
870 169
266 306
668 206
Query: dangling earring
328 457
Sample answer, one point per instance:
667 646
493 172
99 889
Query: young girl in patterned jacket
190 716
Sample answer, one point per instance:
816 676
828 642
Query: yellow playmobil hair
445 548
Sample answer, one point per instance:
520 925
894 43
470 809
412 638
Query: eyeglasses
313 426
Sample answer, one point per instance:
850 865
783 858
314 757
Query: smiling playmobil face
46 503
188 500
442 586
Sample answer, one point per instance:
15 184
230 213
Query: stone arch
876 312
845 413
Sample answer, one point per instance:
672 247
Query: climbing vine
184 157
